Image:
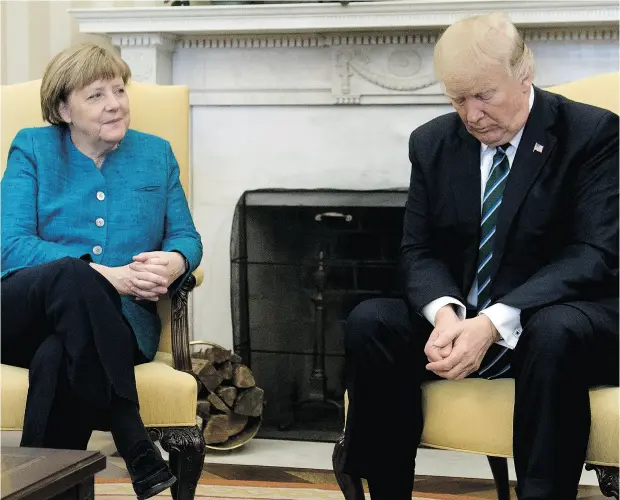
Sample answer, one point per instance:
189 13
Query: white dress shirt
505 318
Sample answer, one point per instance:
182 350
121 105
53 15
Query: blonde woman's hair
471 47
75 68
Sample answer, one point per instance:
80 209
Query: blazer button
100 195
97 250
100 222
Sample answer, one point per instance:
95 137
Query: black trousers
63 321
563 350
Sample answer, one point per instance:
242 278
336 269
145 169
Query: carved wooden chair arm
180 326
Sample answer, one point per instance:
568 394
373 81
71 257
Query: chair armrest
199 274
180 326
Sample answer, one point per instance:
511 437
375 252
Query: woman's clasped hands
148 276
150 273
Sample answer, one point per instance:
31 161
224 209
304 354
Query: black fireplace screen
300 262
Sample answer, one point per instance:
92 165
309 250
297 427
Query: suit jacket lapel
526 166
465 157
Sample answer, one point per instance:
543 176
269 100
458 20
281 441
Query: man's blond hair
476 45
75 68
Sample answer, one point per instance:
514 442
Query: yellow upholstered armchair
166 389
475 415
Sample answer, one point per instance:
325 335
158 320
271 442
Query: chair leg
499 468
186 448
607 479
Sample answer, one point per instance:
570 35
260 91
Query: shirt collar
517 138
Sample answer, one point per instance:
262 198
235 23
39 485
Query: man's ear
63 110
526 82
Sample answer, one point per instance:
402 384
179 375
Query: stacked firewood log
228 399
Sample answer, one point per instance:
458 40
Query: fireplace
300 262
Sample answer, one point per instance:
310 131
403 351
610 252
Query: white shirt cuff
429 311
507 320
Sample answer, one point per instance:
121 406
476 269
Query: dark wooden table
42 474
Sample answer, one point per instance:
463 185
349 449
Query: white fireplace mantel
319 95
328 17
375 52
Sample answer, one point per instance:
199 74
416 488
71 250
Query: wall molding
160 40
269 41
571 34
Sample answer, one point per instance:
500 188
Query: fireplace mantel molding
356 17
327 53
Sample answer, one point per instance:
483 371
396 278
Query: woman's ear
63 110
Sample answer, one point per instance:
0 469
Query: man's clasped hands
147 277
456 346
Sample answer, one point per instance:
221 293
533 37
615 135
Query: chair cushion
475 415
598 90
167 396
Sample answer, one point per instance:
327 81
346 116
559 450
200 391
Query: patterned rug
120 489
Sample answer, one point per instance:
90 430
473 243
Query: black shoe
149 472
350 486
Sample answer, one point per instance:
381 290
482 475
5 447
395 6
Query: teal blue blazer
56 203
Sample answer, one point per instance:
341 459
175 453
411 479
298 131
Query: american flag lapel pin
538 148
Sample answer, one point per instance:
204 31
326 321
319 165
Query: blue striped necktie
492 365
